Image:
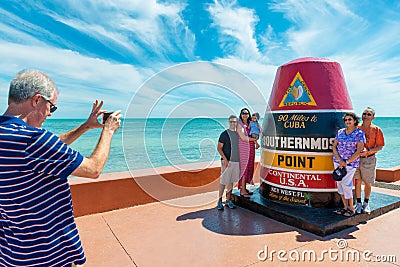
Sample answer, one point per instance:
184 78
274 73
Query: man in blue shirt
37 226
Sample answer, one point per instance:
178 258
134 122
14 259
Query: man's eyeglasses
367 114
232 121
52 106
348 119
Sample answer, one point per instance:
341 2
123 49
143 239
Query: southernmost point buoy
307 102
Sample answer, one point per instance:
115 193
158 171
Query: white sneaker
366 208
358 208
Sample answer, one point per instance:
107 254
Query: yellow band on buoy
297 161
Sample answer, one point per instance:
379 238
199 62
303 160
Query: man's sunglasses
52 106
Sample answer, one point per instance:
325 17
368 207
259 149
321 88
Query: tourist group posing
354 151
237 146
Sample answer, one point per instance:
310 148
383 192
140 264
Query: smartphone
106 115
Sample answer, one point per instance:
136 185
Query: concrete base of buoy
319 221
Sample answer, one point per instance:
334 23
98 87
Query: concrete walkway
170 235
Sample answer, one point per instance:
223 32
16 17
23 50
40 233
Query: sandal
348 213
340 211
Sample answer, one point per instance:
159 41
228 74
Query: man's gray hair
371 109
233 117
28 83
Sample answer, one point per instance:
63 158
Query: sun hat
339 173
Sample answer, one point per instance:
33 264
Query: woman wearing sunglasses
246 151
348 144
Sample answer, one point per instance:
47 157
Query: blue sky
108 49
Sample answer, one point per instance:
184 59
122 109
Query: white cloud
15 29
318 27
372 82
69 64
236 26
79 78
154 34
365 44
138 27
195 81
261 74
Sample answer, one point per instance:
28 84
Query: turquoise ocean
148 143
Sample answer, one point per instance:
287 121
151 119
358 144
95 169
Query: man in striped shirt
37 226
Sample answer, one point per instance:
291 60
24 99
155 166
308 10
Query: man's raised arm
91 123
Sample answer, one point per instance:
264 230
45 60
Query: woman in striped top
247 152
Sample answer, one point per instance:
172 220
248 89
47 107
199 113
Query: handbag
338 173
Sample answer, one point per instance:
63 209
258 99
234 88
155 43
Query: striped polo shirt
37 226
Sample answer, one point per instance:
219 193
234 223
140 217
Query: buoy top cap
308 59
310 83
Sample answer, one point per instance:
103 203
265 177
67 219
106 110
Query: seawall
119 190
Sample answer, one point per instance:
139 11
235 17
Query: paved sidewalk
168 235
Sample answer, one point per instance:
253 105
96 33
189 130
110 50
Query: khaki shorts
367 170
230 174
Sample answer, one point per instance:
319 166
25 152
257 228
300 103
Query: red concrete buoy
307 102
